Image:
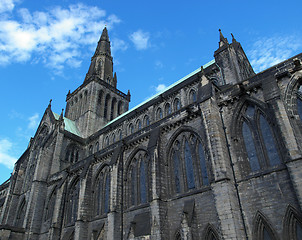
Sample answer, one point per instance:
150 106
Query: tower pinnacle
101 63
222 40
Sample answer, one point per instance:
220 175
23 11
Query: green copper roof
70 125
161 92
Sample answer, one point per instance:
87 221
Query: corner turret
232 61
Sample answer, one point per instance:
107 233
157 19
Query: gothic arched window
120 108
177 104
299 102
113 138
146 121
167 109
131 128
187 163
113 103
106 106
72 154
138 179
192 96
262 229
73 202
50 206
102 193
159 114
292 224
259 139
21 213
138 124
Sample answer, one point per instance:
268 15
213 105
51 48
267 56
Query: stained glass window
189 166
250 147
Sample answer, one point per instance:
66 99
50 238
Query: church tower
97 101
232 61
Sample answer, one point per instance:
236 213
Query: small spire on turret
128 96
49 105
114 80
233 38
222 40
68 93
61 116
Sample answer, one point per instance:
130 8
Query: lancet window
138 179
72 154
73 202
102 193
188 164
259 139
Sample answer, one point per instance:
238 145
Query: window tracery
259 139
159 114
102 194
188 163
138 179
72 154
73 202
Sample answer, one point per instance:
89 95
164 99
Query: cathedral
216 155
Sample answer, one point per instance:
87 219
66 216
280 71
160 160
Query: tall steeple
101 63
97 101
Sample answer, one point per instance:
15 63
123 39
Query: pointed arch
72 204
210 233
188 162
102 191
292 224
50 206
107 99
167 109
21 213
262 229
192 96
255 136
113 109
137 177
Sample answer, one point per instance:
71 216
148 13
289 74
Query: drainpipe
234 176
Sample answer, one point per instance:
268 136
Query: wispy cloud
33 121
5 153
55 37
267 52
7 5
159 64
160 87
118 44
140 39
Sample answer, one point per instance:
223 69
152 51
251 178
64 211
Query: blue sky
46 46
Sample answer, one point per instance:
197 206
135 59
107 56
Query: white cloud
6 5
5 157
140 39
160 87
159 64
33 121
267 52
55 37
118 44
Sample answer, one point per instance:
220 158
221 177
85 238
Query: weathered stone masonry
217 155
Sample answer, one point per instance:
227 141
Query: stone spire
101 63
222 40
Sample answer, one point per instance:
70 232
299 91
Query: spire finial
49 105
222 39
61 116
233 38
